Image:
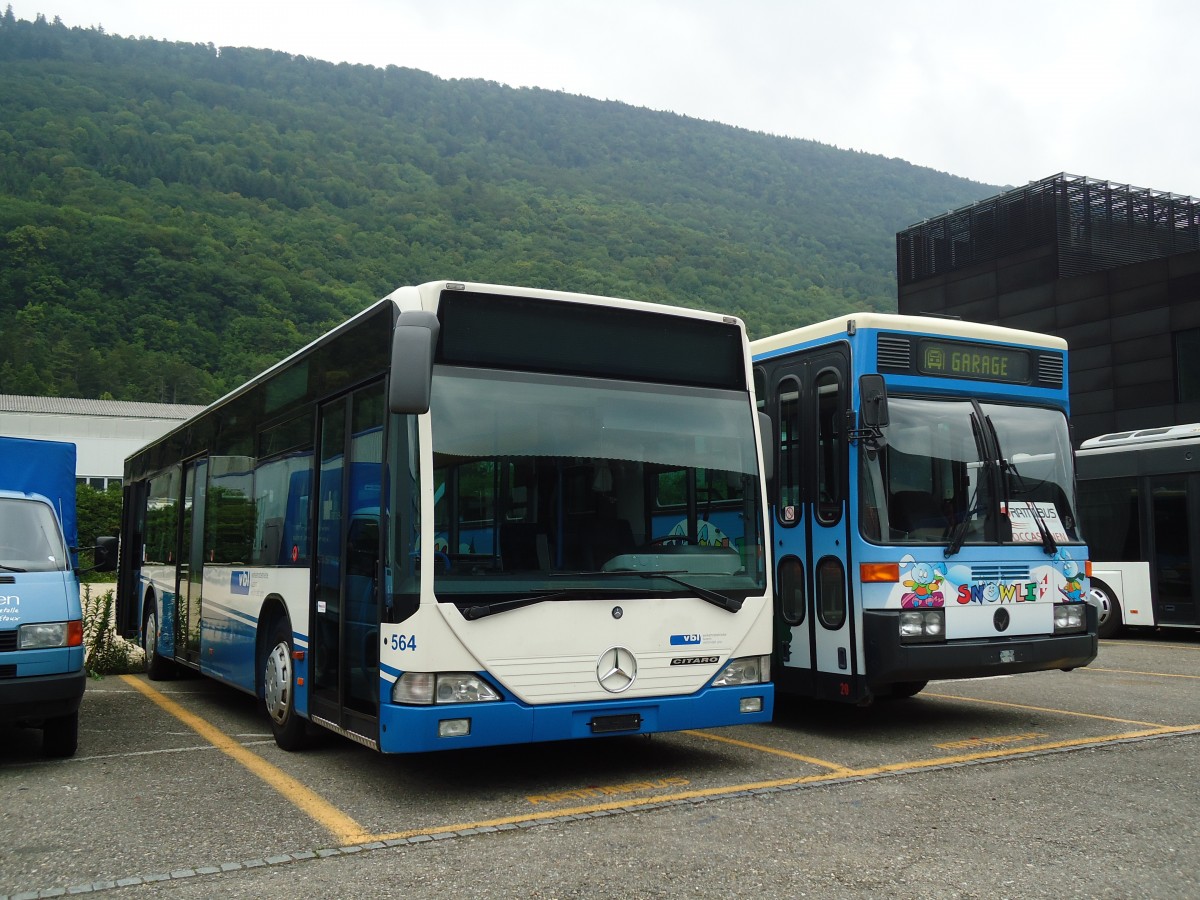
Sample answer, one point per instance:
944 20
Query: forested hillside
175 217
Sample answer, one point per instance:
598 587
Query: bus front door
1175 501
344 639
812 528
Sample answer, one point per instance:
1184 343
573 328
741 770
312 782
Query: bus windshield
546 484
940 484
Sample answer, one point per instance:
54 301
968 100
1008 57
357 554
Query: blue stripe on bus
414 729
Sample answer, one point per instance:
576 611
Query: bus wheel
60 736
157 667
279 690
1109 609
903 689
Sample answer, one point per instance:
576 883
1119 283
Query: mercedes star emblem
616 669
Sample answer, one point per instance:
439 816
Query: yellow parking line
1153 731
788 782
1046 709
344 829
836 767
1136 672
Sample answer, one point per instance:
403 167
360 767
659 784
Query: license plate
611 724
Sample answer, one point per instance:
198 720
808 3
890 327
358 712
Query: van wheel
279 690
60 736
1108 607
158 667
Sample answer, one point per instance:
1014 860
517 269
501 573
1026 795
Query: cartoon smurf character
923 583
1073 589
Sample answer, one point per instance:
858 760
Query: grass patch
105 651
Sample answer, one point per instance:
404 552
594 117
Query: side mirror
411 379
872 402
106 554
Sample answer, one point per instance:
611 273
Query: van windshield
29 538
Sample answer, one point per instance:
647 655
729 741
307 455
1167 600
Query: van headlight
44 635
744 670
428 688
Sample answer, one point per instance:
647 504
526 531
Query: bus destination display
988 362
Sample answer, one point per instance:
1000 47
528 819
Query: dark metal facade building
1113 269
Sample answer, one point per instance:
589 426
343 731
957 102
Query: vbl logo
239 582
678 640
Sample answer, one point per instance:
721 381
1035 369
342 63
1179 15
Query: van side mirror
105 554
411 378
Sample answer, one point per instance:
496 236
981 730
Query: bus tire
158 668
1108 608
60 736
279 690
904 689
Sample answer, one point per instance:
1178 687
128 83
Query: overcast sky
1002 93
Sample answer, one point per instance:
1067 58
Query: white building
104 432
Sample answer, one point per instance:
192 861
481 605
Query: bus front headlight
744 670
1069 617
428 688
922 625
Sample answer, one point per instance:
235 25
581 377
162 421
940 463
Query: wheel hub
277 683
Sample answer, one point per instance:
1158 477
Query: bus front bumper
892 662
416 729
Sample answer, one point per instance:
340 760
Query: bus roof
1142 436
848 324
426 296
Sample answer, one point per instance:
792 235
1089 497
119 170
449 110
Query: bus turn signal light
879 573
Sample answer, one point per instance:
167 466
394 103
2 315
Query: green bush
98 513
105 651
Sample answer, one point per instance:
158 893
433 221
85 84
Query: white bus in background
1139 505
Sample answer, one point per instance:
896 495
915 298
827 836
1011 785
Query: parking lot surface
1056 784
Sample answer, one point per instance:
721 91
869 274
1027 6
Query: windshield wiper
957 538
11 568
959 535
478 611
732 604
1048 544
481 610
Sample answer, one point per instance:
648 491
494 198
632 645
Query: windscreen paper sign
1025 522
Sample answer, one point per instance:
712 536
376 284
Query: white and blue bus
471 515
1139 496
924 516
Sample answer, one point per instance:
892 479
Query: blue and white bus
470 515
1139 492
924 515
